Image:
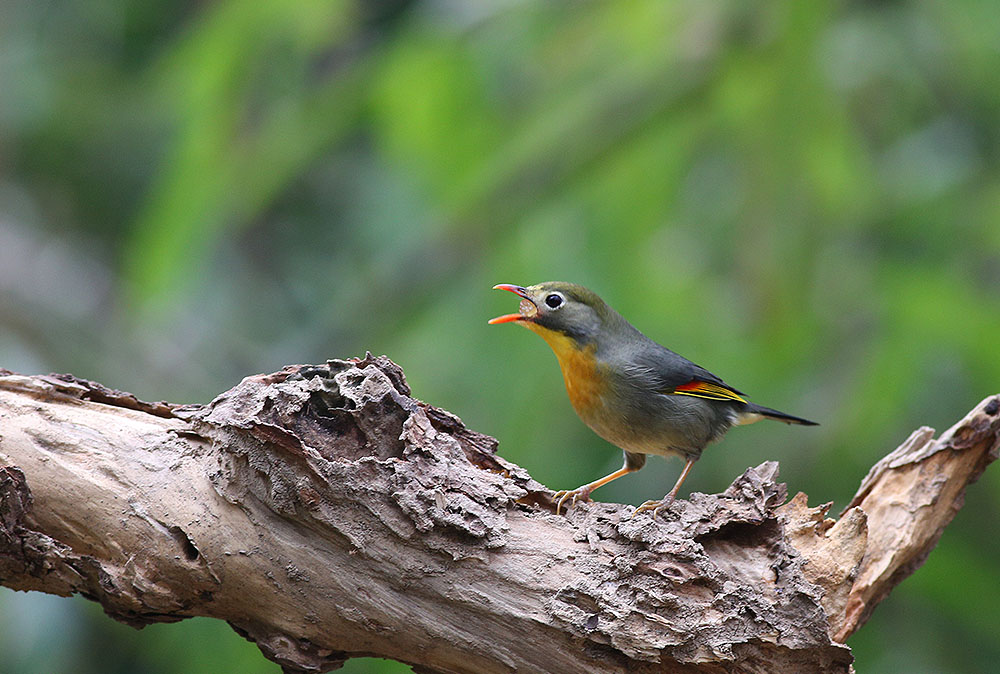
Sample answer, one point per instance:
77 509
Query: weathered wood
909 497
326 514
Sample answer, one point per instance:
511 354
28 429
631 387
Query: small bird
634 393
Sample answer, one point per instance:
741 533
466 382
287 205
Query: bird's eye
554 301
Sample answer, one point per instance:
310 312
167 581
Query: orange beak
522 293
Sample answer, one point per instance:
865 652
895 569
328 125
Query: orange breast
581 377
579 367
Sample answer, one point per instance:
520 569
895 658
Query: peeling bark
326 514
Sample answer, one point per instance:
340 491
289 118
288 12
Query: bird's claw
655 506
578 495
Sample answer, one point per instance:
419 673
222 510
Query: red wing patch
707 390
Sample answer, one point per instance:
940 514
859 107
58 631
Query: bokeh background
803 197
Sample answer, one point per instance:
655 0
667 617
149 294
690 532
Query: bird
635 393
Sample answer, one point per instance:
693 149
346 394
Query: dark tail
778 416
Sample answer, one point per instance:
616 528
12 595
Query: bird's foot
574 496
655 506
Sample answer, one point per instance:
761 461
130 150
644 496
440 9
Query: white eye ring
554 300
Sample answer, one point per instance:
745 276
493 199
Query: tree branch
326 514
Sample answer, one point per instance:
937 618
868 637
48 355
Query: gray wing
663 370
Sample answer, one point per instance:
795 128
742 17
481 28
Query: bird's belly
643 438
660 424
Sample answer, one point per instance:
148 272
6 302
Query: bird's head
557 309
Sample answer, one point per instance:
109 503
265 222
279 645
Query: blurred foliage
803 197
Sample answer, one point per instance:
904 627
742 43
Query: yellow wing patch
707 390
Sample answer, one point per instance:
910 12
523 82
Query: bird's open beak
528 308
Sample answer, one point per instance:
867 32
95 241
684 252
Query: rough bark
326 514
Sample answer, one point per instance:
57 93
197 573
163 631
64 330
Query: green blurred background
803 197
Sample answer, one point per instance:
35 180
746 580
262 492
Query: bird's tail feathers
753 409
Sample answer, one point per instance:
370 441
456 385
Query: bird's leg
633 462
583 493
657 506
